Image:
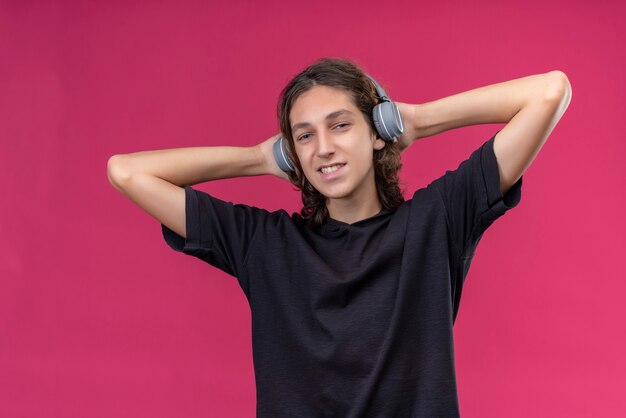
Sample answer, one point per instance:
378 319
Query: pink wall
100 318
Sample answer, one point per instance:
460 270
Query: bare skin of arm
530 106
153 180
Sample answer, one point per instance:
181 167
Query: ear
379 144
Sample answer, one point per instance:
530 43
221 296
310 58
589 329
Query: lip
332 175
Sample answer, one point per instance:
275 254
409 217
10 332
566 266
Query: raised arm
530 106
153 179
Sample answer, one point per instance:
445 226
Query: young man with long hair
353 299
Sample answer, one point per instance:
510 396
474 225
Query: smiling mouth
331 169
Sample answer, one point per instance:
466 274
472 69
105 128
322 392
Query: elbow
117 170
559 89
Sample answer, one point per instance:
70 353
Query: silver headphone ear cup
377 123
388 121
397 119
281 157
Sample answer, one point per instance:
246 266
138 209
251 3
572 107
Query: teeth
327 170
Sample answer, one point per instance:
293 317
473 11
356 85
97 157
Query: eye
339 125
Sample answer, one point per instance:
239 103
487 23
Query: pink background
100 318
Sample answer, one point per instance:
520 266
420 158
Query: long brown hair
345 75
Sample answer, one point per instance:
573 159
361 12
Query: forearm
495 103
192 165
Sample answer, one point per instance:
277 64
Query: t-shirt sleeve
472 198
218 232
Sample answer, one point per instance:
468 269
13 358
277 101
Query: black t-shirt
354 320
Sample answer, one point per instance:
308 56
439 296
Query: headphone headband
379 90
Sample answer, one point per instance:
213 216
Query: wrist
261 163
409 114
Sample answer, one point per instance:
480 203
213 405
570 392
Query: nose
325 145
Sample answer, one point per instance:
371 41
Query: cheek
366 158
306 166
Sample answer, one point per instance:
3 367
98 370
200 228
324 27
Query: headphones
387 121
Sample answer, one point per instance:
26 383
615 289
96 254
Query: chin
335 192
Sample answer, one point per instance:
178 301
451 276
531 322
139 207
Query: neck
351 215
355 208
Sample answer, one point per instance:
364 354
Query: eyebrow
328 117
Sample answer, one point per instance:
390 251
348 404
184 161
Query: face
329 129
